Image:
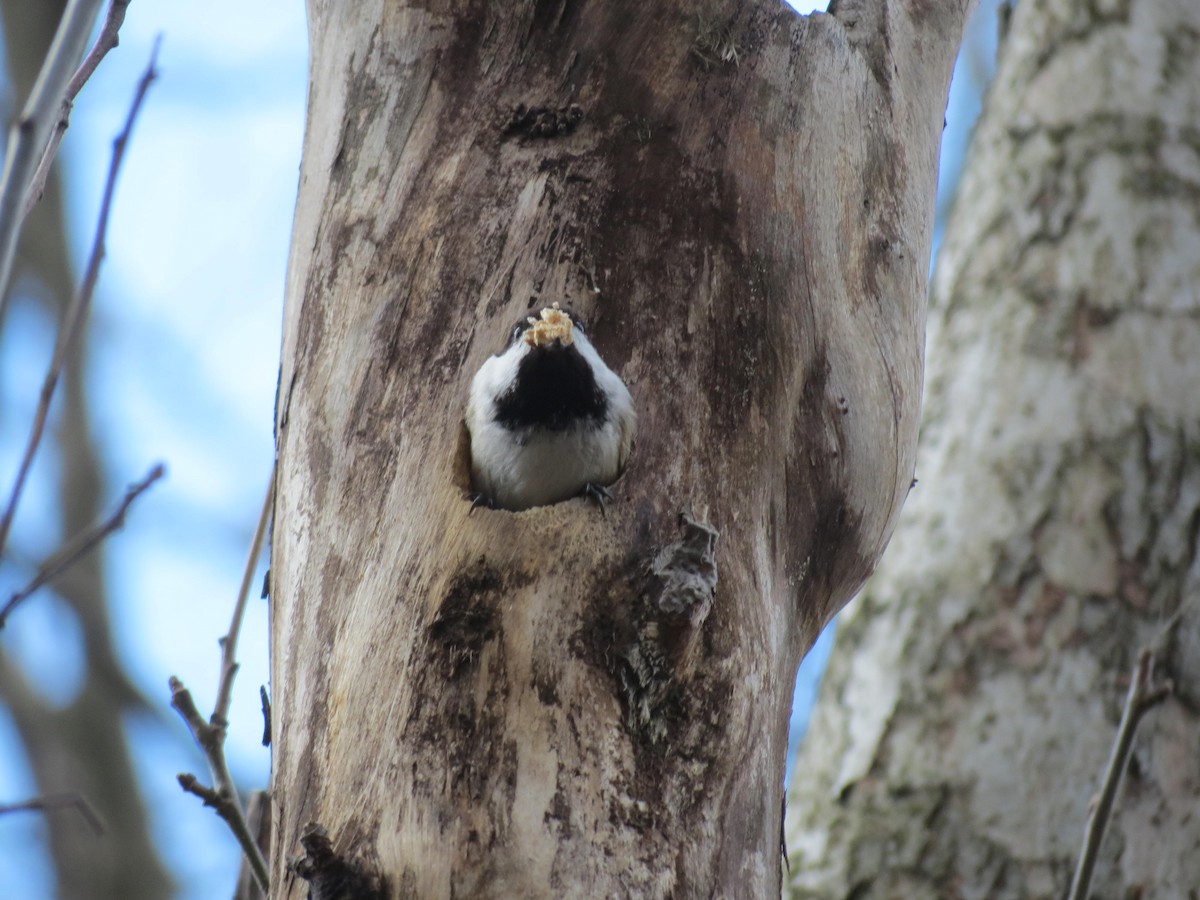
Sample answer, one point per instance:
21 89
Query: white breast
517 469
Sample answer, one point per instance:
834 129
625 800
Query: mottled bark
740 202
974 694
80 747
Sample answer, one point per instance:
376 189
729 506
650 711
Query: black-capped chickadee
548 419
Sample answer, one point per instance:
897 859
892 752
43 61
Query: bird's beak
555 328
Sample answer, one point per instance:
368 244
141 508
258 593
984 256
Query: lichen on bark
1054 530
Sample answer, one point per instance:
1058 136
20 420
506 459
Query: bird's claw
598 494
477 500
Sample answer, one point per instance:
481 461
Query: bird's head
552 328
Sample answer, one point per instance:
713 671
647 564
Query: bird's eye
518 330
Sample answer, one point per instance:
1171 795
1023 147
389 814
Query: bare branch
223 798
80 303
258 814
1143 696
80 545
71 800
210 797
229 642
106 40
210 735
29 132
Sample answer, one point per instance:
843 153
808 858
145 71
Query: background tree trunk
974 692
555 702
79 746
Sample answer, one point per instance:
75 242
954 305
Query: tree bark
556 702
976 686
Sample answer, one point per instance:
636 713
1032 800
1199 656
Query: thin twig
29 132
258 815
230 810
210 735
105 41
224 797
1143 696
229 642
71 800
80 303
1158 643
81 544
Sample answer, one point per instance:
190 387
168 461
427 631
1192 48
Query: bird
548 419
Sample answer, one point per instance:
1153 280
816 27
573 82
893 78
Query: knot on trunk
679 593
331 876
684 574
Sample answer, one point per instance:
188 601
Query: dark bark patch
309 773
869 32
459 754
542 121
546 685
333 581
457 721
885 247
648 693
560 813
835 563
311 334
549 16
657 225
336 876
319 457
823 533
628 813
648 631
363 92
461 467
365 412
743 370
466 620
716 45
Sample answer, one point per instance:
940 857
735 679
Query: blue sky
185 338
185 346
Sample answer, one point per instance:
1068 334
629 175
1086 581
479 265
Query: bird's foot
598 494
477 500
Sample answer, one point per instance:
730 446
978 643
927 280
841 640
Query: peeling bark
549 703
977 684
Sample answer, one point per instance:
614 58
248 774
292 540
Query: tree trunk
974 693
558 702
